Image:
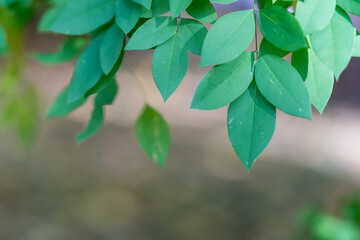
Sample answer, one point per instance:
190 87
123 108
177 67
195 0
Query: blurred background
305 186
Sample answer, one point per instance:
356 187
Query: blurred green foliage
317 224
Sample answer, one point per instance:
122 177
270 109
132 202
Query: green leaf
152 33
83 16
351 6
334 44
127 14
3 39
169 66
224 83
158 7
61 108
192 33
281 28
319 80
87 70
202 10
228 38
300 61
105 96
145 3
177 7
282 86
70 49
268 48
251 125
314 15
111 48
153 135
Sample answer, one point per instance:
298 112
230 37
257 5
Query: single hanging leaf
127 14
169 66
178 7
228 38
60 107
153 135
70 49
268 48
87 70
351 6
105 96
224 83
192 33
319 80
83 16
111 48
202 10
145 3
251 125
282 86
281 28
152 33
314 15
334 44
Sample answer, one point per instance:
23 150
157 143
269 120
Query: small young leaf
111 48
334 44
169 66
87 70
251 125
282 86
70 49
202 10
224 83
178 7
127 14
152 33
228 38
83 16
192 33
153 135
281 29
314 15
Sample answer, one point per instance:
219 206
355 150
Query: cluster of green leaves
318 224
254 83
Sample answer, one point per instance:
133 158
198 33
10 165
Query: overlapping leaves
254 83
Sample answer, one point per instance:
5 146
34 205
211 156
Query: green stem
256 35
139 84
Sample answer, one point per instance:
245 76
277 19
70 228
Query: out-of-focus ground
107 189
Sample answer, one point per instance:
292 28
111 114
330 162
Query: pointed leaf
178 7
251 125
282 86
152 33
351 6
60 107
281 29
169 66
111 48
228 38
334 44
224 83
145 3
127 14
153 135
